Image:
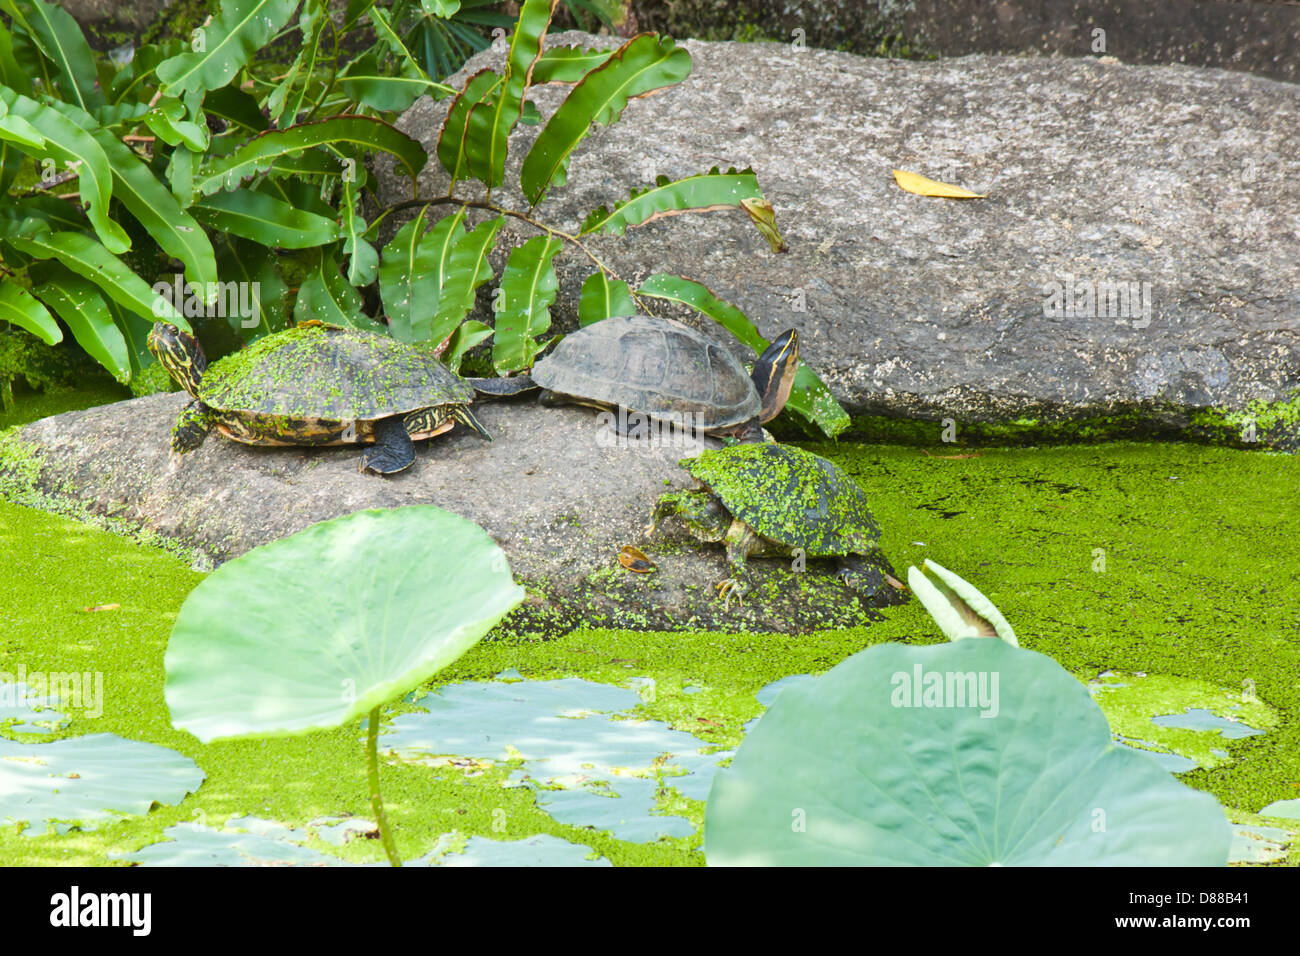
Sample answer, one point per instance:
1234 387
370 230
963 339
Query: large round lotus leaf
881 762
320 627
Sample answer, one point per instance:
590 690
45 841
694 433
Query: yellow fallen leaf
764 217
928 187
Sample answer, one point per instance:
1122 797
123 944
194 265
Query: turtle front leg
393 450
741 542
192 426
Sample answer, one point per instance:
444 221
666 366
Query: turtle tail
463 415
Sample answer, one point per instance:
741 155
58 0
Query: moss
294 375
1124 557
1276 425
789 495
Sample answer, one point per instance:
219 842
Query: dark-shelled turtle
315 384
664 370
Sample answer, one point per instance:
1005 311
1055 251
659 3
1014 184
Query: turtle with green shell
315 384
775 500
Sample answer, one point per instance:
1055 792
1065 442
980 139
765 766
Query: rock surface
1259 36
554 489
1184 181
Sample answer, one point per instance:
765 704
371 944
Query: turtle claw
731 588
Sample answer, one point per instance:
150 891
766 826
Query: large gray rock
1259 36
555 489
1185 182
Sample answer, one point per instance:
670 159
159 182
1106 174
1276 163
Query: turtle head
774 373
180 354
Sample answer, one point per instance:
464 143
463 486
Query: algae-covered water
1176 562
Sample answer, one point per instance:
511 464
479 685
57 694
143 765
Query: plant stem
524 217
376 801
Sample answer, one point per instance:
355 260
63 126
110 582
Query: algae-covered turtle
665 370
769 499
315 384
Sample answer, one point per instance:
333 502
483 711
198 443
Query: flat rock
1182 181
554 489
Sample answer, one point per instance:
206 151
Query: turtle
661 369
773 499
316 384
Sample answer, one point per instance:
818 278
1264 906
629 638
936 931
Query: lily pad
246 841
1183 723
1282 809
888 760
318 628
81 781
24 710
540 850
249 841
587 768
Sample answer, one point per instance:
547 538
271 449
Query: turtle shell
791 496
653 366
327 374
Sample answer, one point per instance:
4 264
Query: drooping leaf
363 258
92 261
251 268
809 397
12 74
180 175
78 303
174 229
567 64
15 129
603 297
67 142
135 331
973 753
467 269
236 107
488 128
265 219
369 84
451 139
61 41
528 287
316 629
326 296
409 72
711 190
642 65
412 271
440 8
915 183
240 29
261 152
56 213
813 401
287 99
467 335
24 310
167 121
